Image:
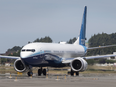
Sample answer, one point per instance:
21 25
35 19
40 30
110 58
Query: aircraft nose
24 54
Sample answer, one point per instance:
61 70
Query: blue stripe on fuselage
43 60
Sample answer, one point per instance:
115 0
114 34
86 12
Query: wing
9 57
68 60
98 57
91 48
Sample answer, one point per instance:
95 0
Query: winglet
82 37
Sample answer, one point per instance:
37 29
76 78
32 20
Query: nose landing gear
30 73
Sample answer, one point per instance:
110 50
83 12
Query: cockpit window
28 50
23 49
33 50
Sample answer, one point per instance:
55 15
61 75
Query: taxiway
84 80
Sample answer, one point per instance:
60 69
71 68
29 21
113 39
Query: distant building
7 64
106 64
112 58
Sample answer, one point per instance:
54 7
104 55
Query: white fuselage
61 50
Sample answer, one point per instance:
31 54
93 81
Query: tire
39 72
30 73
77 73
69 73
72 73
44 72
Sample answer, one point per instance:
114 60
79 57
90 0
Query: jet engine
19 66
78 64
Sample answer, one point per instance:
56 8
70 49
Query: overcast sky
26 20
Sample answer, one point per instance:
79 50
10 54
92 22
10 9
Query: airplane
61 54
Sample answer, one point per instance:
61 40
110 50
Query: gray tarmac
84 80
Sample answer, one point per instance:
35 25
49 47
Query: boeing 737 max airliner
55 54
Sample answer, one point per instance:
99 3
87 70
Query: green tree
46 39
91 62
15 48
71 41
102 40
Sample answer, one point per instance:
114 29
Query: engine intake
78 64
19 66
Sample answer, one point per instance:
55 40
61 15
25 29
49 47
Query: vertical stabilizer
82 37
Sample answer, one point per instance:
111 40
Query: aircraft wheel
39 72
68 72
44 72
72 73
30 73
77 73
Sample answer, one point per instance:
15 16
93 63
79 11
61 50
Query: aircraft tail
82 37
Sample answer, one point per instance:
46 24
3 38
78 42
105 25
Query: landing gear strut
30 73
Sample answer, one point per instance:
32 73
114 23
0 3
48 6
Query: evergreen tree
46 39
71 41
102 40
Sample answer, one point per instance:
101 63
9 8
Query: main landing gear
40 71
72 73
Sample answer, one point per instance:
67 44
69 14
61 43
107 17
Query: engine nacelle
78 64
19 66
